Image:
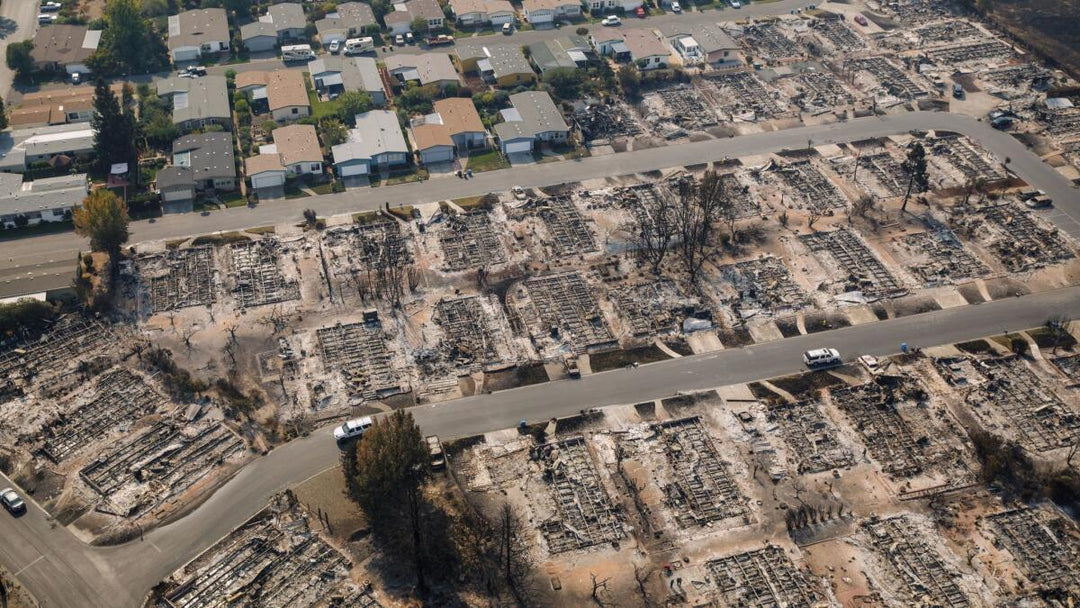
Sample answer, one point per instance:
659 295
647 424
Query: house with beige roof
545 12
399 21
195 33
646 49
57 106
265 172
286 95
298 147
282 23
473 13
64 47
453 127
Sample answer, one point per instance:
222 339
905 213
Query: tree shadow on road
7 27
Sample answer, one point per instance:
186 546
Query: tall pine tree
114 131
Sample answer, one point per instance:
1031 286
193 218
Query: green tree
385 475
242 8
103 218
129 43
114 130
3 115
332 131
351 103
565 83
417 100
918 178
630 79
419 26
19 59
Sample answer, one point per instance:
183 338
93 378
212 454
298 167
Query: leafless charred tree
863 205
654 230
697 209
599 591
513 551
641 577
813 216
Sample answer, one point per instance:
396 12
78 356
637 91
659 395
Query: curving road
62 571
45 262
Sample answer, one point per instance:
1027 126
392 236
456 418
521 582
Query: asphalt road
62 571
34 264
18 21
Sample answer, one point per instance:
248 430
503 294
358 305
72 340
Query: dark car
12 502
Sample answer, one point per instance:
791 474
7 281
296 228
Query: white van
297 52
356 46
821 357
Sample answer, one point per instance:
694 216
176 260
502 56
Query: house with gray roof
376 143
703 42
20 148
51 199
197 102
210 157
425 68
533 118
348 21
198 32
503 64
335 74
563 52
282 23
399 20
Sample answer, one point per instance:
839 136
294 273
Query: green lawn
234 199
326 188
487 161
294 191
406 178
321 109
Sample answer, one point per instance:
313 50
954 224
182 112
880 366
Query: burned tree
697 209
654 229
915 166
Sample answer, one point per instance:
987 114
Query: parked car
335 47
821 358
736 4
352 429
508 28
12 502
50 7
399 40
196 70
957 91
409 38
46 18
440 40
611 20
676 7
860 20
76 78
435 449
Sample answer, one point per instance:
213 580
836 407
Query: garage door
350 170
185 54
267 180
517 146
438 155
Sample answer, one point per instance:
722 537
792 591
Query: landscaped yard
233 199
319 108
487 161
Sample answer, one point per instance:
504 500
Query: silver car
12 502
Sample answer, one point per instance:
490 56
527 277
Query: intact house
543 12
533 118
282 23
608 41
700 43
453 127
425 68
52 199
57 106
64 48
295 152
210 157
646 49
599 6
286 95
503 64
197 102
563 52
350 20
375 144
475 13
201 162
57 145
193 34
333 75
399 20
